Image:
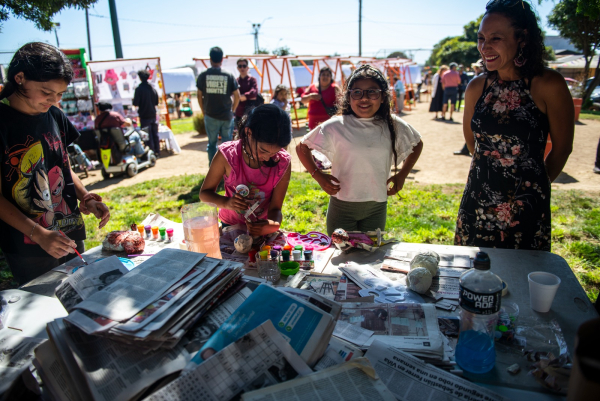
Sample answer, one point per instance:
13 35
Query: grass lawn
425 214
589 115
182 125
301 113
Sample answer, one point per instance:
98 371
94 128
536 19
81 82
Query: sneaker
596 170
462 152
450 119
443 118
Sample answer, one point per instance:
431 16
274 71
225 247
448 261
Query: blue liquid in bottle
475 353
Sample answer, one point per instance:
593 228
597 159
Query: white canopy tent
179 80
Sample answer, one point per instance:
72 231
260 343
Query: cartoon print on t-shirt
31 160
57 185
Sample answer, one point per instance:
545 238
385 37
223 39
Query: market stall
76 102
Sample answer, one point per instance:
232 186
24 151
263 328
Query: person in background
248 88
178 105
280 97
363 142
39 192
258 161
464 81
216 87
509 111
321 98
437 93
450 82
146 99
597 164
111 119
400 94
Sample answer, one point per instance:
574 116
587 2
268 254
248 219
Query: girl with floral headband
362 141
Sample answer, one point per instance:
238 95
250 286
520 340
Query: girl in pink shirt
258 161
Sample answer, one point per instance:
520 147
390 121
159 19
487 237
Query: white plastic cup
542 289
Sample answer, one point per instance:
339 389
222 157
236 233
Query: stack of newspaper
152 306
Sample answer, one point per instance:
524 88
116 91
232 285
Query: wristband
34 226
314 171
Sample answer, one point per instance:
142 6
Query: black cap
481 261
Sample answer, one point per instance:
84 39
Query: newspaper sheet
16 355
445 287
88 280
114 371
321 302
408 326
347 291
338 351
411 379
133 292
258 359
355 380
199 334
53 375
349 332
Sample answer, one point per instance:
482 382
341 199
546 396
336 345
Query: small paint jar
274 255
140 228
298 248
252 256
155 232
264 255
277 248
285 256
287 248
134 227
170 234
163 233
148 231
308 255
296 255
266 248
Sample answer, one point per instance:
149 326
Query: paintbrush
75 249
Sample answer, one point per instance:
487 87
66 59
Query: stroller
114 148
79 160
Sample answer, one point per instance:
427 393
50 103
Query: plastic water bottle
479 299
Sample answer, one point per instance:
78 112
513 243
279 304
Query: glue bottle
479 300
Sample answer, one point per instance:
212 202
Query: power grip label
481 304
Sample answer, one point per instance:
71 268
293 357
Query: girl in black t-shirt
39 193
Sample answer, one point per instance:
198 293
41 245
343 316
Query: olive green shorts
355 216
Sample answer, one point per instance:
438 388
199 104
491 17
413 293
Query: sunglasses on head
506 3
372 94
242 65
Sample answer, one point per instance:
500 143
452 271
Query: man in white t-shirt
400 94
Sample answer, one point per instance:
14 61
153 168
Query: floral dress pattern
506 202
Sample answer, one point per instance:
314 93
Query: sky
179 30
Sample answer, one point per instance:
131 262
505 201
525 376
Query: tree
282 51
397 54
40 12
262 51
578 21
458 49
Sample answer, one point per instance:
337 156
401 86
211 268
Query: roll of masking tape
182 245
504 288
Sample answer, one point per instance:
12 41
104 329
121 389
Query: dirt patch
437 164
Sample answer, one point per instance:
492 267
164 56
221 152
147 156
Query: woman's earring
520 60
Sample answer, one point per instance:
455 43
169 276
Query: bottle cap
277 248
481 261
298 247
162 230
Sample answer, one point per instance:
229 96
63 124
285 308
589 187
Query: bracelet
82 208
314 171
34 226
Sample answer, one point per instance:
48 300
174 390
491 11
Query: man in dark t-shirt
215 89
146 99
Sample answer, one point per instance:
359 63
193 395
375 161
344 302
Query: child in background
280 97
39 192
258 161
358 141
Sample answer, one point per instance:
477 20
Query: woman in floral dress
509 112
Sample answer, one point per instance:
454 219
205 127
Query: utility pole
115 28
87 26
56 25
359 28
256 29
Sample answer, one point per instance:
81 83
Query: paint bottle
148 229
154 232
134 227
266 248
296 255
274 255
285 256
252 256
308 255
170 234
298 248
264 255
140 228
163 233
287 248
